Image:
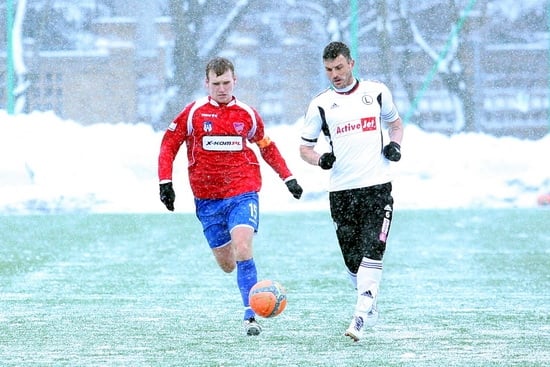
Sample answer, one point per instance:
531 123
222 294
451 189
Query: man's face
339 71
220 88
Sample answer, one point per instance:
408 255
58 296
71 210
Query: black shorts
362 218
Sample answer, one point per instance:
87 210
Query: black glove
392 151
167 195
294 188
326 160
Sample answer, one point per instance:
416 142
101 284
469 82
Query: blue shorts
219 216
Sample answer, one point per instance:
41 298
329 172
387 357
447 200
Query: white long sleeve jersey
354 121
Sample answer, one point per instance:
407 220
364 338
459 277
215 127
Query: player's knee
227 267
376 252
353 259
225 257
348 244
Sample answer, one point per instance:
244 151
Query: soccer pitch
460 288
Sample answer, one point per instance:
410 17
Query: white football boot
365 317
356 328
372 316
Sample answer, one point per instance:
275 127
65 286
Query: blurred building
118 82
90 86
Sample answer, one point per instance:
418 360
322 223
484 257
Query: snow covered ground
52 165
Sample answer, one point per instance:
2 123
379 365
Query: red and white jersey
220 163
354 120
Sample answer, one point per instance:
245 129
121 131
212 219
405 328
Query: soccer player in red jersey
224 173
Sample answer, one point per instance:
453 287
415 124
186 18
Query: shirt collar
214 103
349 89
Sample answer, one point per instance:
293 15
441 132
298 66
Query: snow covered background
50 165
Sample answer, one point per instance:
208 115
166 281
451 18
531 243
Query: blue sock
247 276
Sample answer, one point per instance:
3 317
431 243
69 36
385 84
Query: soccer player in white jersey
352 114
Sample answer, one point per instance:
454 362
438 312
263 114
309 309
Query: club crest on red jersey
207 126
238 126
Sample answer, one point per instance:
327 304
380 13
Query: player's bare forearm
395 130
309 155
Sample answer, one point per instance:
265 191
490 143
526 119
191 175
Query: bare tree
191 51
404 39
448 64
18 59
384 39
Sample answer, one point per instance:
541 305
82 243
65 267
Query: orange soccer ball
267 298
